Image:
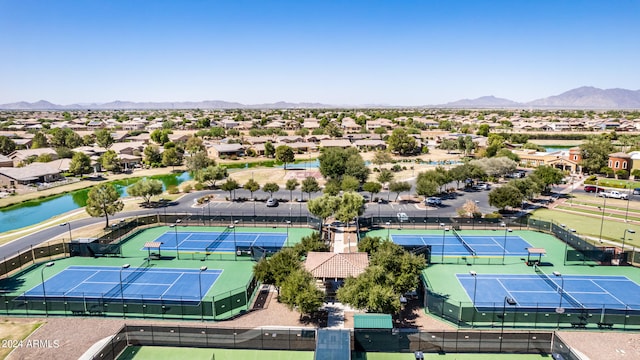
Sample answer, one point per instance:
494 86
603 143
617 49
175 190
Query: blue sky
334 52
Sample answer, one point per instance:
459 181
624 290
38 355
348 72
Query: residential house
31 174
20 156
222 150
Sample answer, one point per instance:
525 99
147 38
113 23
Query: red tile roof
337 266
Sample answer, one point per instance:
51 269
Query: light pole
202 269
125 266
175 228
475 284
69 225
235 247
558 274
44 293
629 194
288 224
444 229
504 243
604 207
624 237
388 230
510 301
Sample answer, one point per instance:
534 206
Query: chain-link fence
304 339
540 315
33 255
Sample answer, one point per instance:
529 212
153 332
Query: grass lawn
13 330
587 225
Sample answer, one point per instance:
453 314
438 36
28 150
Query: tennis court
224 241
150 284
542 291
455 245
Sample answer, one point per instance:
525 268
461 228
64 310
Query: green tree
39 141
110 161
194 145
385 176
7 146
351 205
323 207
332 187
349 183
337 162
291 185
548 176
196 161
372 187
285 154
426 187
269 150
309 243
217 132
80 164
276 269
310 185
152 156
44 158
595 153
211 174
483 130
381 158
231 186
300 292
103 200
399 187
160 137
252 186
505 196
104 138
635 173
369 244
145 188
402 143
171 157
270 188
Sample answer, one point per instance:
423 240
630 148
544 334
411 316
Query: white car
272 202
433 201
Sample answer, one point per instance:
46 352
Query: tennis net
557 288
464 243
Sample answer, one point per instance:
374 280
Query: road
185 205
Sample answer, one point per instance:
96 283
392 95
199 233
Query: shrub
493 215
172 189
199 186
187 188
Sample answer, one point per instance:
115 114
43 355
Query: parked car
272 202
614 195
592 188
433 201
636 191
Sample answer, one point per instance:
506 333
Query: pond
38 210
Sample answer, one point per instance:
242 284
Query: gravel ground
75 336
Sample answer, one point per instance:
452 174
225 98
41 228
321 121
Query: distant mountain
129 105
483 102
581 98
591 98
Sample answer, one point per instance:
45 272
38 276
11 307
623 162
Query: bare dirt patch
12 331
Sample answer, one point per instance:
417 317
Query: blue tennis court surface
540 291
482 245
224 241
137 283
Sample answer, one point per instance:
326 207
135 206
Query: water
38 210
553 148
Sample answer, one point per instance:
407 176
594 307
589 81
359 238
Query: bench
604 325
78 312
579 325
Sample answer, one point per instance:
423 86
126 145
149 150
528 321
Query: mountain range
585 97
